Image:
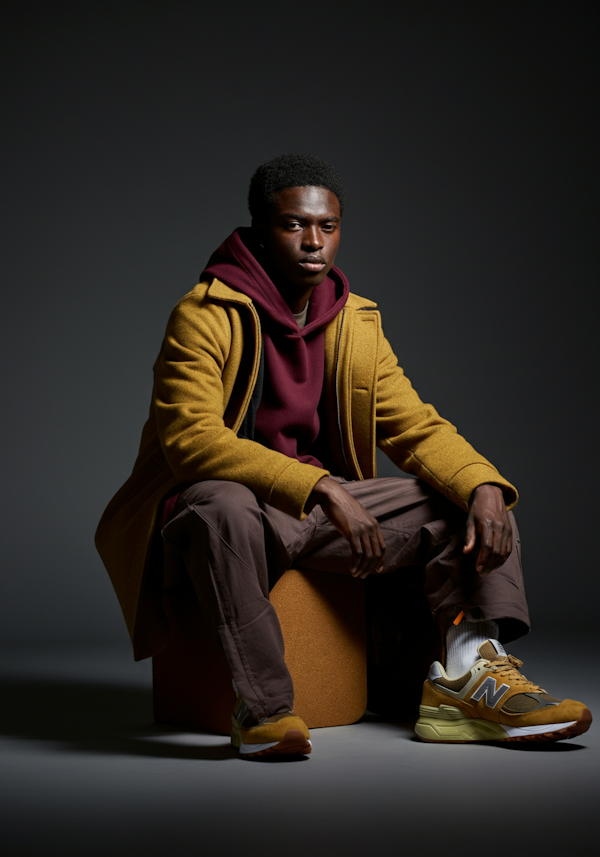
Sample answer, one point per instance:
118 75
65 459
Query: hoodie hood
235 264
287 418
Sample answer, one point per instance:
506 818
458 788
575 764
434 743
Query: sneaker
495 702
282 734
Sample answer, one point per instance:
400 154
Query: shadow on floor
96 718
110 719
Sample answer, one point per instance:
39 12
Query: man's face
301 236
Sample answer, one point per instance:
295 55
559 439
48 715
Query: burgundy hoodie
287 419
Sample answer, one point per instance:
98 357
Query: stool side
322 617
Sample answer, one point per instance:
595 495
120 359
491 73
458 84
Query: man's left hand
489 520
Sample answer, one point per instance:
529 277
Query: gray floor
85 771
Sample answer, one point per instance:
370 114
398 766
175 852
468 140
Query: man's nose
312 238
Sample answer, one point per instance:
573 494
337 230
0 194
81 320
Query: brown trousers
235 548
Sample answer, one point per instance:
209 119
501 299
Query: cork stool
323 625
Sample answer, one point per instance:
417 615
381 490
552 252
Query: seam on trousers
252 681
229 631
220 537
309 539
228 623
241 626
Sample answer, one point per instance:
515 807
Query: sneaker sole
447 724
293 743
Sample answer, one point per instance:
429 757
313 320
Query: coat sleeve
419 441
189 405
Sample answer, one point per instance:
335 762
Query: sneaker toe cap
567 711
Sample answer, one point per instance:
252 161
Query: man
272 388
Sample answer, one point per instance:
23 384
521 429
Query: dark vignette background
466 134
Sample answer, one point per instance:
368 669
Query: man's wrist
485 485
319 492
322 486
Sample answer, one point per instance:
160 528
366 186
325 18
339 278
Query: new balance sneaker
282 734
495 702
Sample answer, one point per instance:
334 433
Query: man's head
296 202
286 171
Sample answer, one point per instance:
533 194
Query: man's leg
234 547
421 527
228 544
492 700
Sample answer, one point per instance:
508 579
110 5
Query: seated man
273 385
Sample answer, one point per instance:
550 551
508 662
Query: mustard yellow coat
204 378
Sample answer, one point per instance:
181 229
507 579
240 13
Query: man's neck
301 317
294 297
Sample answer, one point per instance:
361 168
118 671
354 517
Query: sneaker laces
508 666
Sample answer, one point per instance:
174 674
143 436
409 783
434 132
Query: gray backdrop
466 134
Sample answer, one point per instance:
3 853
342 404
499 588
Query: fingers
470 536
376 548
368 551
357 525
483 564
489 519
496 545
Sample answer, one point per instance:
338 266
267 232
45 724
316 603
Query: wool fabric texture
204 379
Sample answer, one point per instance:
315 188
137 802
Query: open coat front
204 379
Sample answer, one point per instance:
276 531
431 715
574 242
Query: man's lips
313 263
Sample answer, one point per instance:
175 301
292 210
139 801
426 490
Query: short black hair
290 170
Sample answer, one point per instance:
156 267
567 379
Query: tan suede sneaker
282 734
495 702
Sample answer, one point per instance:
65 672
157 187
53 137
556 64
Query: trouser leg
420 527
234 549
228 544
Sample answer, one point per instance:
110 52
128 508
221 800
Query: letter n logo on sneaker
493 694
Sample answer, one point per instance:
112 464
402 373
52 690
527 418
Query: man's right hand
351 519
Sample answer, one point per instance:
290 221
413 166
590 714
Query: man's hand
357 526
488 518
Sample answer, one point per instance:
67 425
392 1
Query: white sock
462 641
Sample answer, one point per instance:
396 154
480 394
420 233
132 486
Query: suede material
568 709
204 378
267 732
433 697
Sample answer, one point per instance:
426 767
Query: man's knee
222 497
